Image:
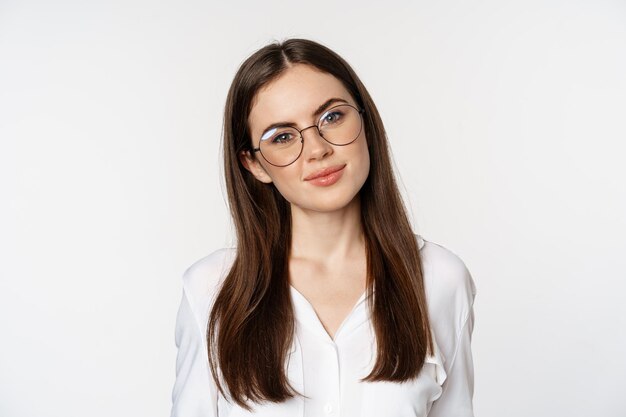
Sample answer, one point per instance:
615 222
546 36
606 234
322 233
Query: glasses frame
358 109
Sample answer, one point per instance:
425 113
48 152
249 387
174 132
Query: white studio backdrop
507 125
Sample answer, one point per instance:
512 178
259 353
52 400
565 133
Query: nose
316 147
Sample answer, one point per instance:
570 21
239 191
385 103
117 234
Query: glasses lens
281 145
340 125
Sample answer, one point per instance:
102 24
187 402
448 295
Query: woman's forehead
297 93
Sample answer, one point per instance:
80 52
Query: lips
324 172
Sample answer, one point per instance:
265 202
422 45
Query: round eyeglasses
340 125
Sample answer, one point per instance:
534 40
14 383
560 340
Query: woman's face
293 97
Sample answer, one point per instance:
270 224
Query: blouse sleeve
194 393
458 388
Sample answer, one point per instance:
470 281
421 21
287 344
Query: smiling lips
327 176
324 172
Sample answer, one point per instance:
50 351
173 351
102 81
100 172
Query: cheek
364 160
286 182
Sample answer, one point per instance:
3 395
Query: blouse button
328 408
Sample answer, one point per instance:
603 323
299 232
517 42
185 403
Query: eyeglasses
340 125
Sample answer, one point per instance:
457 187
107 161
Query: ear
254 166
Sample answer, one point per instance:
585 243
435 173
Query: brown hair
251 324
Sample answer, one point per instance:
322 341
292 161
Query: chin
327 203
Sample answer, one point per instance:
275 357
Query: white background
507 125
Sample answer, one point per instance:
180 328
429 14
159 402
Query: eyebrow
316 113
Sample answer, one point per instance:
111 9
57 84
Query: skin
328 263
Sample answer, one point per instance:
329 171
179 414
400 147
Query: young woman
329 305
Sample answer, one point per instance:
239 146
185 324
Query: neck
327 237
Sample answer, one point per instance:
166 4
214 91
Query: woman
329 304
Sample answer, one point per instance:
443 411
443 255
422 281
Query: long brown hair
251 324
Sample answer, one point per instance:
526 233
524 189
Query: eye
278 136
332 117
282 138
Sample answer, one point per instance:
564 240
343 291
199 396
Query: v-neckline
309 306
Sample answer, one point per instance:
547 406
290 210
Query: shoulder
449 286
203 278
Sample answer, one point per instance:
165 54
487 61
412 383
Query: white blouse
327 370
